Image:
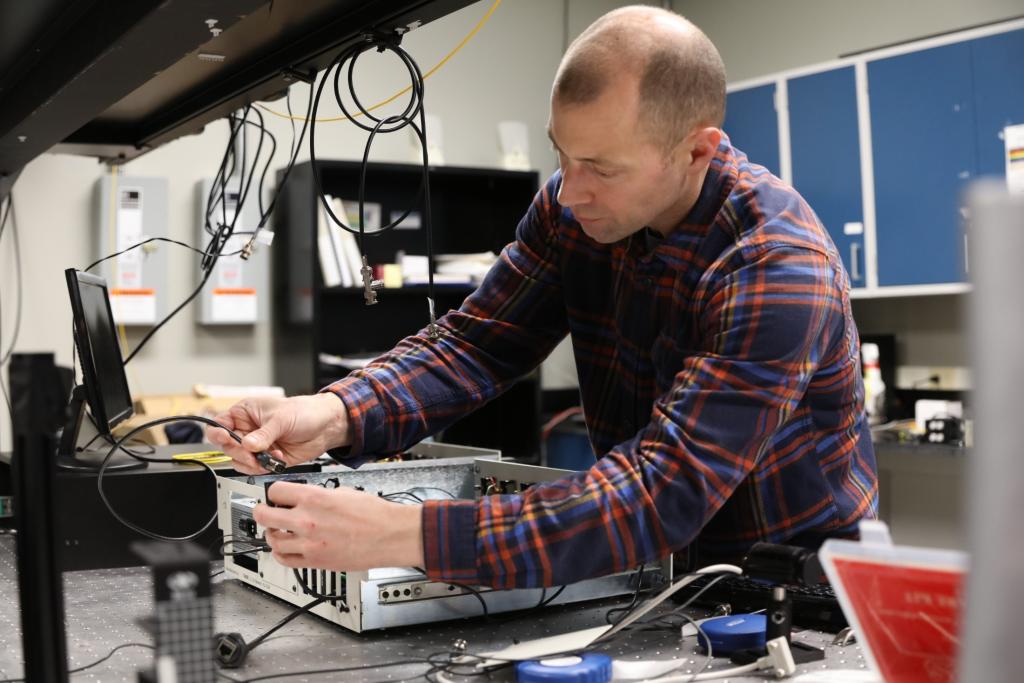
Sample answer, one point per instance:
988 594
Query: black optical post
104 385
36 413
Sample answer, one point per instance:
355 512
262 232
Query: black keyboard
813 606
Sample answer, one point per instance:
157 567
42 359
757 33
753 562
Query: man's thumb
260 439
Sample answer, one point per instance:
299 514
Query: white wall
759 38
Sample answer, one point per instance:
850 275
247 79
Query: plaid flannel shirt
720 380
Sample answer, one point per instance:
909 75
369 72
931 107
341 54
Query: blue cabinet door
998 69
923 144
825 152
752 124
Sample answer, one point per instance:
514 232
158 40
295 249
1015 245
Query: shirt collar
718 184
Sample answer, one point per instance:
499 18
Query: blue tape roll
590 668
736 632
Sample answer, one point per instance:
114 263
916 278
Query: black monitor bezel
90 377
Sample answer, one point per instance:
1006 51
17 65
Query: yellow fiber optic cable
462 44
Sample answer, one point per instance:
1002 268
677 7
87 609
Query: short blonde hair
681 76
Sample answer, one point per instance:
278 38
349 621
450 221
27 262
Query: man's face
613 178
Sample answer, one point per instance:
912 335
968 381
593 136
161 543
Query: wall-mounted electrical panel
130 210
237 292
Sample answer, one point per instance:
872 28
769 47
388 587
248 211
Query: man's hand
339 529
293 429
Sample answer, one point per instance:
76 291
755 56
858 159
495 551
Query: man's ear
705 144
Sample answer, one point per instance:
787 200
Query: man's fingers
285 542
286 493
243 460
218 436
294 561
274 518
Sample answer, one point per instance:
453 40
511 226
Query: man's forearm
406 541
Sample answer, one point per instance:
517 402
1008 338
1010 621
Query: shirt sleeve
765 322
502 331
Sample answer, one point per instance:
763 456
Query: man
710 319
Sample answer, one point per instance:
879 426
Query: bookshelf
474 210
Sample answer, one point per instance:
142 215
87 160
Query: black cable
258 547
294 614
270 157
170 315
222 234
140 244
314 672
545 602
219 179
476 593
89 666
100 434
88 443
407 118
313 593
296 146
407 494
628 608
291 118
133 432
5 357
9 212
108 656
434 488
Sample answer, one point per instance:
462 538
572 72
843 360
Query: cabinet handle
855 260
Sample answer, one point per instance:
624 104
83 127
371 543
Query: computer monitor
104 384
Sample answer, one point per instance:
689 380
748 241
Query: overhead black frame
116 78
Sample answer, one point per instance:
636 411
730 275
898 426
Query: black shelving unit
473 210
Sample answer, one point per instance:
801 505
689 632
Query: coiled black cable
389 124
118 445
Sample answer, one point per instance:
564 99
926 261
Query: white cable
665 594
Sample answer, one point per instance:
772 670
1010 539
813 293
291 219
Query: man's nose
573 190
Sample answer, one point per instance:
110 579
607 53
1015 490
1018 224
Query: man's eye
603 174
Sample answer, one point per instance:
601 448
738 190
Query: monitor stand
68 455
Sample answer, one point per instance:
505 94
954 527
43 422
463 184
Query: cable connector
370 286
433 329
230 650
779 660
292 74
270 463
383 39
